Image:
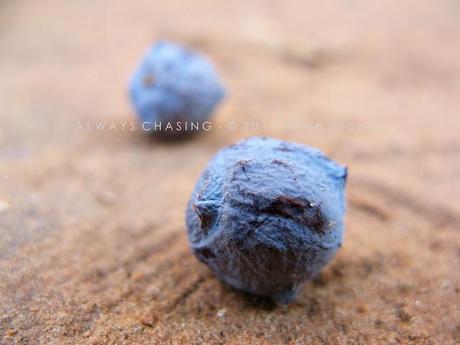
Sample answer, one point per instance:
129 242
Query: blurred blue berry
174 85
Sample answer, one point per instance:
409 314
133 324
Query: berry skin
266 215
174 85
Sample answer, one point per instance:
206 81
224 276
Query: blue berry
175 86
266 215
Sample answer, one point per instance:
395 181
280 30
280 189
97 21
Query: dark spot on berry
149 80
204 254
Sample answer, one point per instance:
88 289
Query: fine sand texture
93 246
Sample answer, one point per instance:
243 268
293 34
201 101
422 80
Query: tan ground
93 247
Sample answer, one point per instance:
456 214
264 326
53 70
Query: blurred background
92 236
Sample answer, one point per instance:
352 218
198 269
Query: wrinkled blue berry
266 215
174 90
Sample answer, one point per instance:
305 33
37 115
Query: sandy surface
93 247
